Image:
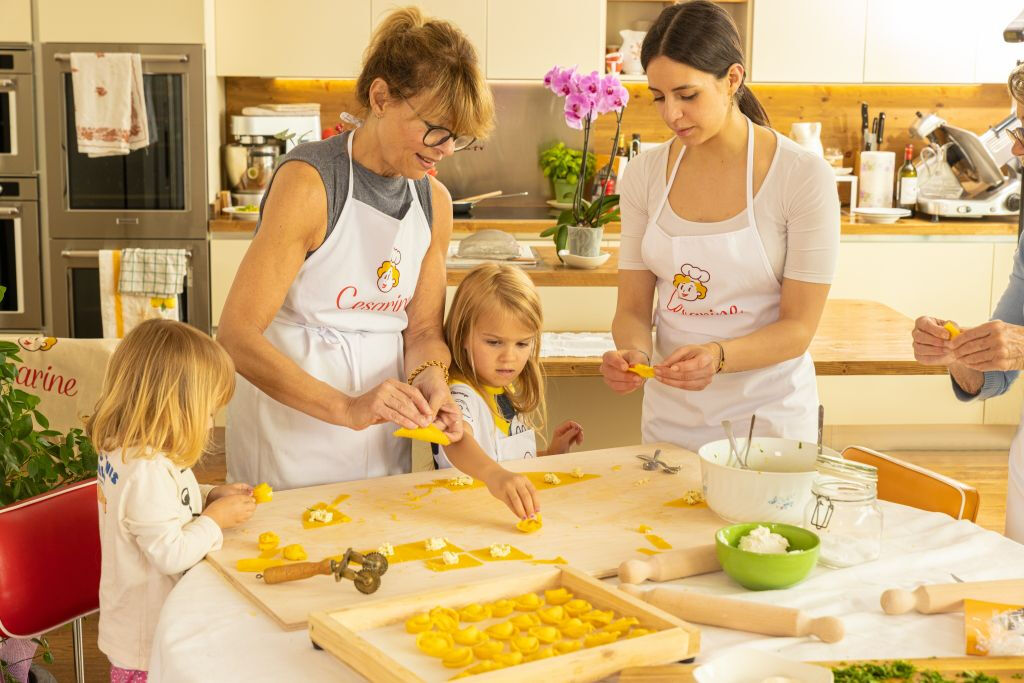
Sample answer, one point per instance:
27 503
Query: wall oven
75 283
156 192
17 121
20 258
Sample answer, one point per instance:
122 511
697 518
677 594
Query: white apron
341 322
717 287
520 442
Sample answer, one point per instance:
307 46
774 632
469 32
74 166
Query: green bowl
762 571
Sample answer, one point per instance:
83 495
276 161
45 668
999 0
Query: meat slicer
965 175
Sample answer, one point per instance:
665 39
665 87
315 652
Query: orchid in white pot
587 96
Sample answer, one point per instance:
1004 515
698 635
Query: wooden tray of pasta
556 624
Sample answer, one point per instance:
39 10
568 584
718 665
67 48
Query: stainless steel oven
75 283
157 192
17 121
20 257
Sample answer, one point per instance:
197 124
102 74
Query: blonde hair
385 267
162 384
680 279
1016 83
415 54
504 288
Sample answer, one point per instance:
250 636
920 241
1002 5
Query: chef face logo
690 283
387 274
37 343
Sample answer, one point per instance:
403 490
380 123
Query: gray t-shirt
389 195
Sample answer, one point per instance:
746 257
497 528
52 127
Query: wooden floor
986 470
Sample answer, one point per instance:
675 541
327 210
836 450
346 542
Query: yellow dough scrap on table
484 667
637 632
578 472
575 628
557 596
502 631
658 542
268 540
461 481
434 643
648 551
321 515
497 553
406 552
470 635
475 612
527 602
643 529
553 560
431 433
256 564
545 634
598 617
530 525
502 608
295 552
488 648
263 493
464 561
552 615
643 370
512 658
524 622
954 331
691 499
542 653
578 606
525 644
564 647
621 624
458 657
418 623
550 480
600 638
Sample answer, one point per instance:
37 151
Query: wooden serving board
591 523
1006 669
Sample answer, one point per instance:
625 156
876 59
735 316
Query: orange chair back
905 483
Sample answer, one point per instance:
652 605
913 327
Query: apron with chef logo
717 287
512 438
341 322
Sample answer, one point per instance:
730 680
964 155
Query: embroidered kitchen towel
121 312
110 103
153 272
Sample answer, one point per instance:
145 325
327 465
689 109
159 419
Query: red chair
50 564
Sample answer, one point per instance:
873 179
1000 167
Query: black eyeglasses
438 135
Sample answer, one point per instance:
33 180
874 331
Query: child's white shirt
500 439
151 532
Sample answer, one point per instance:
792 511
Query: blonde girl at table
493 331
163 385
735 229
334 318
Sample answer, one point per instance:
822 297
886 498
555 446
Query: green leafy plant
596 214
563 163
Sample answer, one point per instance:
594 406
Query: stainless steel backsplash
529 119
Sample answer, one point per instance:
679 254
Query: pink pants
119 675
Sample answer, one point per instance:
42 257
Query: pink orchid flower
577 108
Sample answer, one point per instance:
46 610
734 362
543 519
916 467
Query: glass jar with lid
844 512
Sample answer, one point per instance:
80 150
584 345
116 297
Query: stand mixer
259 141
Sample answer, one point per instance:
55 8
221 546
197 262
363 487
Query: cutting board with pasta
591 523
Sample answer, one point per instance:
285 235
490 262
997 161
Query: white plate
880 215
562 206
747 665
574 261
237 212
846 170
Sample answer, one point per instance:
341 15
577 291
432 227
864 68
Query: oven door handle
6 83
11 211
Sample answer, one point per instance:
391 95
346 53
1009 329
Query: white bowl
744 665
237 212
574 261
845 170
880 214
776 488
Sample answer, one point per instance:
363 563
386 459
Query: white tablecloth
210 632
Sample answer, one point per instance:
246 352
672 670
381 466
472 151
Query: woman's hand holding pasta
615 370
994 345
688 367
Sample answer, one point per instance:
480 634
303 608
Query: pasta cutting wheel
366 578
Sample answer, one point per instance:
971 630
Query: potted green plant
562 165
581 228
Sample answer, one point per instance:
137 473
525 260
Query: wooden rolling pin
740 615
296 571
949 597
701 559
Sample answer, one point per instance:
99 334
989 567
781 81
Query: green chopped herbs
900 670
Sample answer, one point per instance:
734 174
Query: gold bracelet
423 366
721 357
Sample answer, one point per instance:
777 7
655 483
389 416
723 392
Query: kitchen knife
881 127
864 125
873 138
740 615
675 564
949 597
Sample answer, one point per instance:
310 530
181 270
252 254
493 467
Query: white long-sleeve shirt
151 532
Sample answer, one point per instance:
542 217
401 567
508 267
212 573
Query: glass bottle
906 188
844 512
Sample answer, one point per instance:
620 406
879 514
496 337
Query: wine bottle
906 188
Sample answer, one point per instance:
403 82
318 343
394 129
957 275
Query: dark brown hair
701 34
415 54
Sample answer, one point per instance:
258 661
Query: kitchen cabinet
996 57
808 41
526 38
16 26
303 39
124 21
469 15
921 41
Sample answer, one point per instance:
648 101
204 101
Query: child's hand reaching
515 491
231 509
239 489
565 436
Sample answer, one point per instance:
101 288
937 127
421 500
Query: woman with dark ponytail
737 230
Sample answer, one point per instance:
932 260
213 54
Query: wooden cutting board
591 523
1003 668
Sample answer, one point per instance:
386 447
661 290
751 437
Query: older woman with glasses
984 361
334 318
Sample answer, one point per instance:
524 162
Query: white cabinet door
921 41
470 16
302 38
996 57
808 41
525 38
16 24
121 21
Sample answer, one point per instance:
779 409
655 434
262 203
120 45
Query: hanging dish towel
110 103
153 272
122 312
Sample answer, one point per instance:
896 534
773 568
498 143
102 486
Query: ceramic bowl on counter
776 488
767 571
